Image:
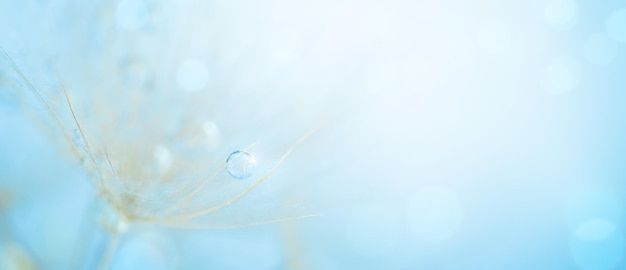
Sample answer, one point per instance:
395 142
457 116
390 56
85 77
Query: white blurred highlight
192 75
561 13
600 49
435 214
131 14
616 25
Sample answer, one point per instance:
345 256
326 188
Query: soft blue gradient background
475 134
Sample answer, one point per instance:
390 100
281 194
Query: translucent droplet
240 164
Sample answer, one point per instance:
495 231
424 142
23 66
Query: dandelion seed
240 164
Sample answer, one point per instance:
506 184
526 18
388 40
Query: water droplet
240 164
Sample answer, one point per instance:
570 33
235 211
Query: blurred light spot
240 164
600 49
594 214
616 25
284 55
12 257
494 38
110 219
434 214
561 13
192 75
131 14
163 158
372 230
595 230
381 78
135 73
562 76
212 134
598 254
592 202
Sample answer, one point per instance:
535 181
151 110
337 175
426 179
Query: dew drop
240 164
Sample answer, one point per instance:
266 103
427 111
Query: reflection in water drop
240 164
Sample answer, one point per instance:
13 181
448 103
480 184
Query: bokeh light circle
192 75
562 76
561 13
600 248
372 230
594 214
131 14
494 37
616 25
600 49
434 214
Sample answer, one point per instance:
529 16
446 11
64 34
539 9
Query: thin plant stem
109 251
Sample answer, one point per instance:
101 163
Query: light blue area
524 150
599 254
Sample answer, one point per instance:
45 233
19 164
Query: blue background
474 134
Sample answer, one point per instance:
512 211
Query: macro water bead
240 164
